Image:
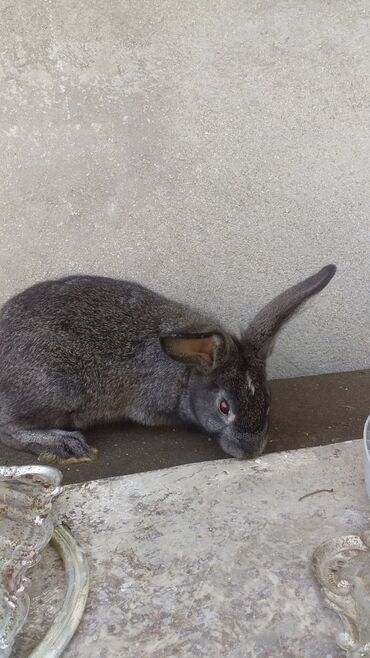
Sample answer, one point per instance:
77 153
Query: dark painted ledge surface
306 412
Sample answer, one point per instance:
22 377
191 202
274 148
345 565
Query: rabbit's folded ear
205 351
263 329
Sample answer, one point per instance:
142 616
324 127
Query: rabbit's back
96 311
78 303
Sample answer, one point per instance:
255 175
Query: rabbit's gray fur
83 350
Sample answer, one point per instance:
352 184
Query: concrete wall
217 150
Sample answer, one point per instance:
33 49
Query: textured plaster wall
217 150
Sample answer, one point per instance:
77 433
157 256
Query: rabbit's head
227 393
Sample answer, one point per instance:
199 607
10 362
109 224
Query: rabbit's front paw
68 448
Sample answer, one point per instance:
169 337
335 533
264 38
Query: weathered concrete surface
215 150
209 559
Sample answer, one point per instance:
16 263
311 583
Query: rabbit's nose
252 454
254 447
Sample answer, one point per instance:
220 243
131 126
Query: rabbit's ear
261 332
206 351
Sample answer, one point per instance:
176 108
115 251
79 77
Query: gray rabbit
84 350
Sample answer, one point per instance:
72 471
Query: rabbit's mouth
242 447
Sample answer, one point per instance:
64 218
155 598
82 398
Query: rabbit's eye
224 407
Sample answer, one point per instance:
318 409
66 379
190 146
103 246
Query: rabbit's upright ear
205 351
263 329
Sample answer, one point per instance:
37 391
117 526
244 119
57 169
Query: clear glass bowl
26 527
367 455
